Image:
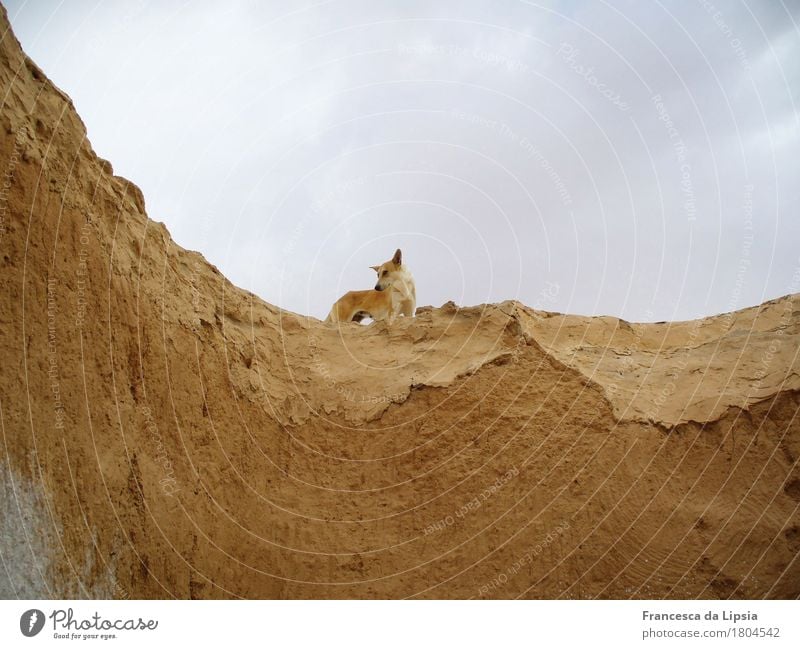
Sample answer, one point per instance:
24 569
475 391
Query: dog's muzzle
378 287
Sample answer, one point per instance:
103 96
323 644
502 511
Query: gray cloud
640 157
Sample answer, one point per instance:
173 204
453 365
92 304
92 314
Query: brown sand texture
166 434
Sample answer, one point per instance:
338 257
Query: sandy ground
166 434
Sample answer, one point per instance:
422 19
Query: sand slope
166 434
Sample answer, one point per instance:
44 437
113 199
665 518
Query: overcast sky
638 159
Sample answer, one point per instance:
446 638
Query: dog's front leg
407 308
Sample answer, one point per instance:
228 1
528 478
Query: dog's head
388 271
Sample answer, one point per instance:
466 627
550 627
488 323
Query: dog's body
394 294
354 306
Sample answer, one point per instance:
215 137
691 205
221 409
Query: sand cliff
167 434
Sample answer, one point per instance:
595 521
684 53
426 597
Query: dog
393 275
394 293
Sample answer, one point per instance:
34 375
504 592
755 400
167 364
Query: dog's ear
375 268
398 257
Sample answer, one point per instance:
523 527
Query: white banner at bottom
389 624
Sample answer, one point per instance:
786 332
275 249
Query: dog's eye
386 272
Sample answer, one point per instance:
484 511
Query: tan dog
393 275
394 293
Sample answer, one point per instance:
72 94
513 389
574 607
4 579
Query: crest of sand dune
166 434
675 372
